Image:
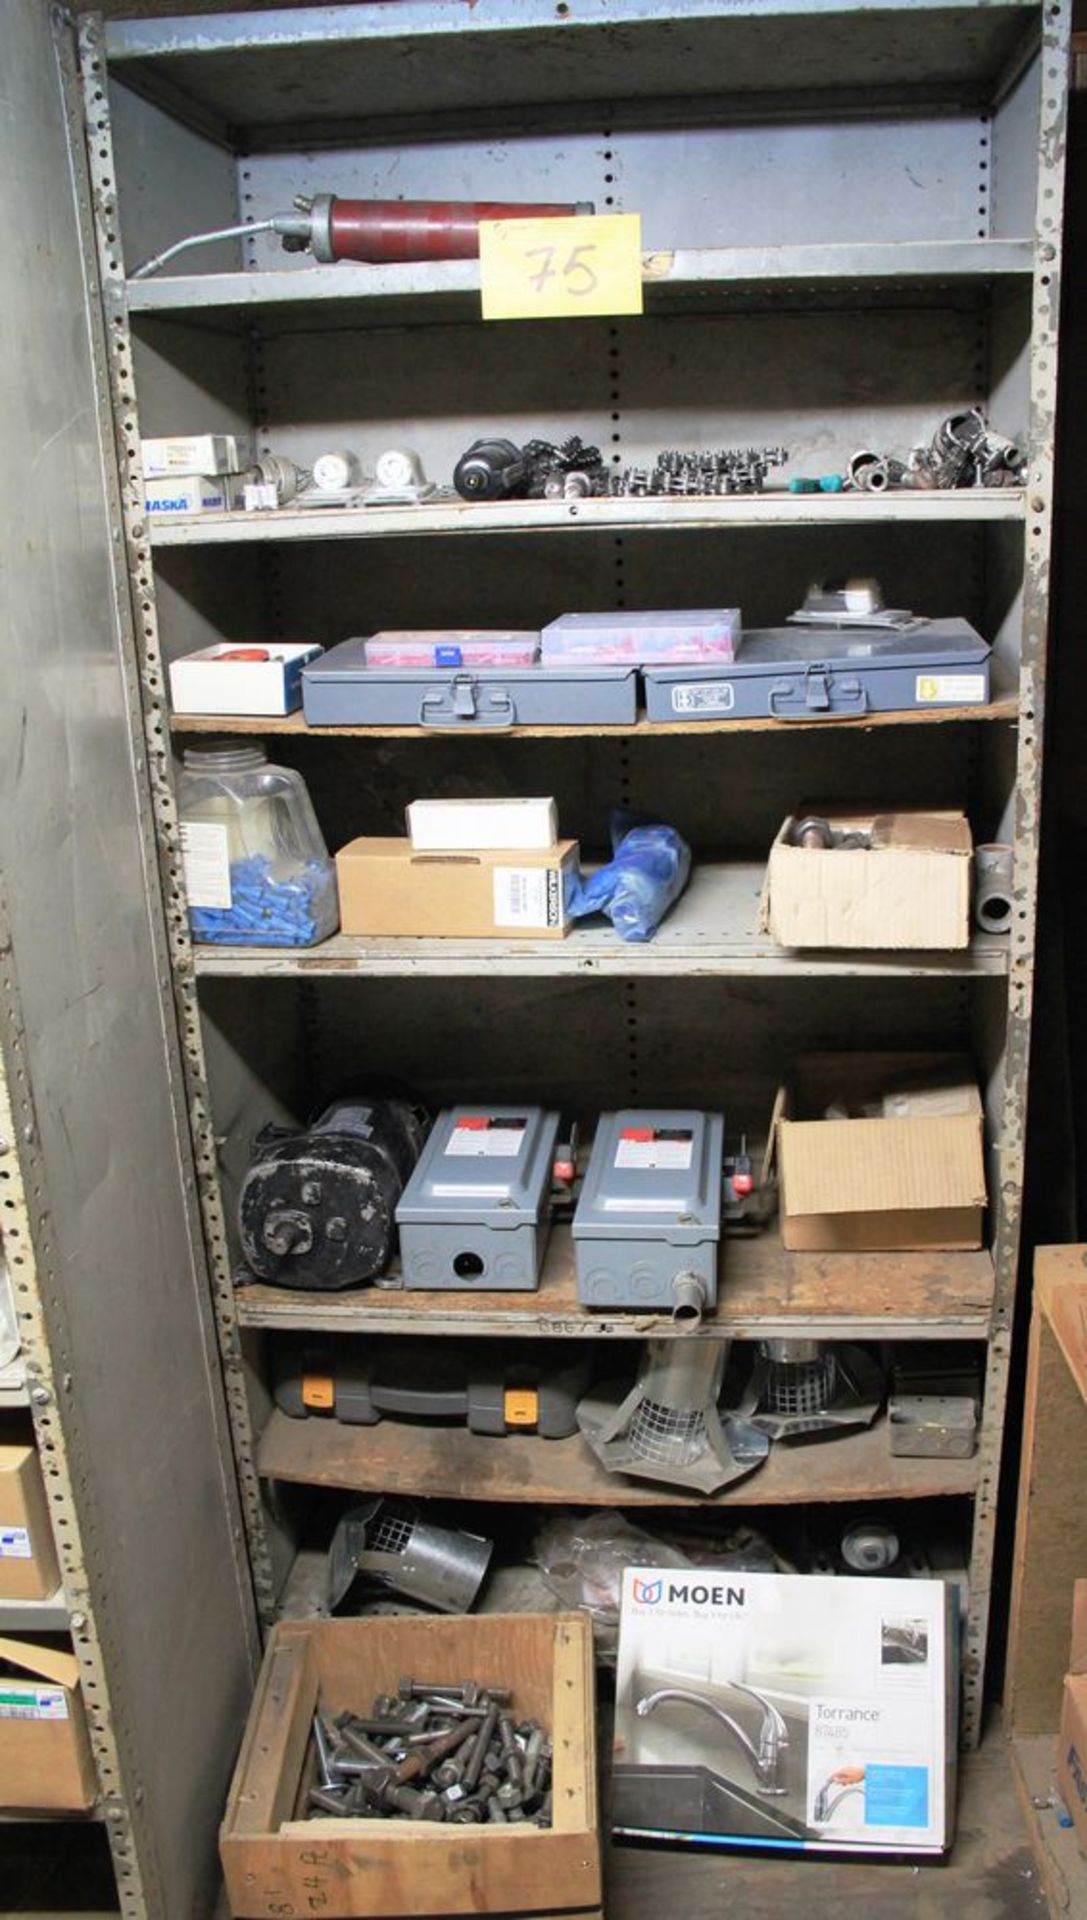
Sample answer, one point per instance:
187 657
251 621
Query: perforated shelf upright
851 220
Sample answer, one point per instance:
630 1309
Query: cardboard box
196 453
1072 1740
46 1763
28 1560
451 826
276 1861
899 1165
187 494
227 679
388 888
786 1710
910 889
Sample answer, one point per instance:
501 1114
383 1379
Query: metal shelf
35 1616
713 930
684 279
293 725
271 75
763 1293
453 1464
773 509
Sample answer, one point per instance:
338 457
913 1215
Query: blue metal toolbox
806 673
345 692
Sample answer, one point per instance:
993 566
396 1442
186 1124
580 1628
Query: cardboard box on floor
28 1560
910 889
387 888
912 1178
45 1757
1072 1740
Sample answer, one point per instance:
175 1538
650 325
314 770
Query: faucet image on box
827 1800
767 1759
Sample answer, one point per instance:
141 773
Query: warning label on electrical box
487 1136
650 1147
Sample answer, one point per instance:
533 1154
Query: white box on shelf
469 826
193 453
264 679
186 493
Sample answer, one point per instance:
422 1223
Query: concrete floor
52 1872
990 1874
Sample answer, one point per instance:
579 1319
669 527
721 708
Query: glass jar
257 871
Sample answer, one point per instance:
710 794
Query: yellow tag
553 269
522 1406
318 1391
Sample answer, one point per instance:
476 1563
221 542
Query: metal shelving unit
901 166
96 1187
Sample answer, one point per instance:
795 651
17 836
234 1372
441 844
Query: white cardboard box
450 826
228 678
202 453
805 1711
186 493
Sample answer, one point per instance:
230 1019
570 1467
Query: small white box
482 826
185 494
201 453
241 679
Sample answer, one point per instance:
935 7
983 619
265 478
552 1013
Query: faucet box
785 1710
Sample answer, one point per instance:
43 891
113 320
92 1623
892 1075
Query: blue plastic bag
648 871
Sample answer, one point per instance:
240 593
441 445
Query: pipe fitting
688 1300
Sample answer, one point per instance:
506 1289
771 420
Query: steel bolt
474 1764
509 1796
533 1752
326 1800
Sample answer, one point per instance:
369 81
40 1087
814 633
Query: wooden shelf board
713 930
453 1464
292 725
763 1292
774 508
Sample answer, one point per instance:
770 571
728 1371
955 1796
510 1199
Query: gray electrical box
476 1211
650 1208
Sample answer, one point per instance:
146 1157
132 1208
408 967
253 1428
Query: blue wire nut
297 911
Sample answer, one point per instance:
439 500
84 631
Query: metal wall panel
125 1292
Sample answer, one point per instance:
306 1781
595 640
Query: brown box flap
923 832
881 1166
45 1663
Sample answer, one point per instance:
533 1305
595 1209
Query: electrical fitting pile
451 1753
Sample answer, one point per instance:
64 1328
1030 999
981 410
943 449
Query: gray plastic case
650 1207
478 1215
828 673
345 692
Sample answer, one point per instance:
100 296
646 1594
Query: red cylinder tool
375 231
382 231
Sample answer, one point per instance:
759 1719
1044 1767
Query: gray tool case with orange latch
828 673
343 691
476 1212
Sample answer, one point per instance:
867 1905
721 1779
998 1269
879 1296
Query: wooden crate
277 1863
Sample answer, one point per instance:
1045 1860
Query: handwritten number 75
575 271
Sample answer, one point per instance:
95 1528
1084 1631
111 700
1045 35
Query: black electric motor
318 1205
